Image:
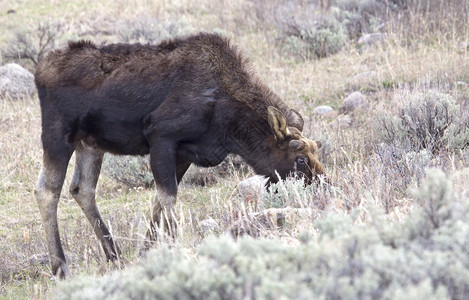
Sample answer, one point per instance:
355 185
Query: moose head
295 155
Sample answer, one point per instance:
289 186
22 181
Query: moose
188 100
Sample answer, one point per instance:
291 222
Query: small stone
208 225
16 82
323 110
353 101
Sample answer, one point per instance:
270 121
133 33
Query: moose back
184 101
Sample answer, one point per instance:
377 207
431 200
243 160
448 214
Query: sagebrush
355 256
431 121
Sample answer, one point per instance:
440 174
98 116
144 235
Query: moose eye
301 160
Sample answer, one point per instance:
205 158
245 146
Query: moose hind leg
48 188
83 189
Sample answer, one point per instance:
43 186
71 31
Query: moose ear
319 144
296 120
278 123
297 145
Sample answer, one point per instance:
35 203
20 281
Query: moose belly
203 155
124 140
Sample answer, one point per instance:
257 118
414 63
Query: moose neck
253 141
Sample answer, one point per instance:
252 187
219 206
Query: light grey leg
83 189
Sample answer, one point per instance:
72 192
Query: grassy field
424 54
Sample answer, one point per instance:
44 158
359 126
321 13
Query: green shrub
361 255
431 121
307 31
133 171
326 36
425 133
323 29
294 193
362 16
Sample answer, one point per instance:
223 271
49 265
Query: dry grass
436 61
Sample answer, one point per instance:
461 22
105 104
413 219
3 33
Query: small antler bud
297 145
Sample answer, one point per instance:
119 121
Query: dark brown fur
184 101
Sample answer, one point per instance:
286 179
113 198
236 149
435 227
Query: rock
208 226
369 39
354 101
16 82
323 110
252 189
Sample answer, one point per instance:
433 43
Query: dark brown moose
183 101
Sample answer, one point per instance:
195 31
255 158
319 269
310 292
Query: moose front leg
164 167
162 216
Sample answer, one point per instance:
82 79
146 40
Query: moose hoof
119 262
62 271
